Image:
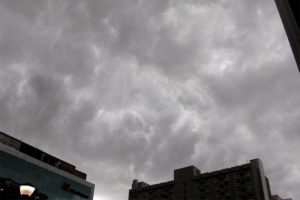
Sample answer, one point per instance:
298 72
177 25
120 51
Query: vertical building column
183 185
290 19
259 179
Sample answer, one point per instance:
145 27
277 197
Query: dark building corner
289 11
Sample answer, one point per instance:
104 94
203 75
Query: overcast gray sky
130 89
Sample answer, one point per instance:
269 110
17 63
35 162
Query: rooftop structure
24 166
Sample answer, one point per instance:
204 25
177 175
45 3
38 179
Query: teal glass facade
53 185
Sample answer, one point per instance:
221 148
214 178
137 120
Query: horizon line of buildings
57 179
243 182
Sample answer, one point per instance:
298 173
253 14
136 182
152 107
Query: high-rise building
289 11
244 182
52 178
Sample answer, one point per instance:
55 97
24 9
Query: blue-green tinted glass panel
50 185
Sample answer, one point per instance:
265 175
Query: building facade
53 178
244 182
289 11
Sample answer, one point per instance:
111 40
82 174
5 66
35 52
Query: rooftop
40 155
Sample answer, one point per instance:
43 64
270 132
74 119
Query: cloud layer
136 88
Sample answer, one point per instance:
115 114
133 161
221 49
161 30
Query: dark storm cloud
136 88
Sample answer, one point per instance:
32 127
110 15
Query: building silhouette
244 182
52 177
289 11
277 197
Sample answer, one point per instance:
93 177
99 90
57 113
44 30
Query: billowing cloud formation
136 88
